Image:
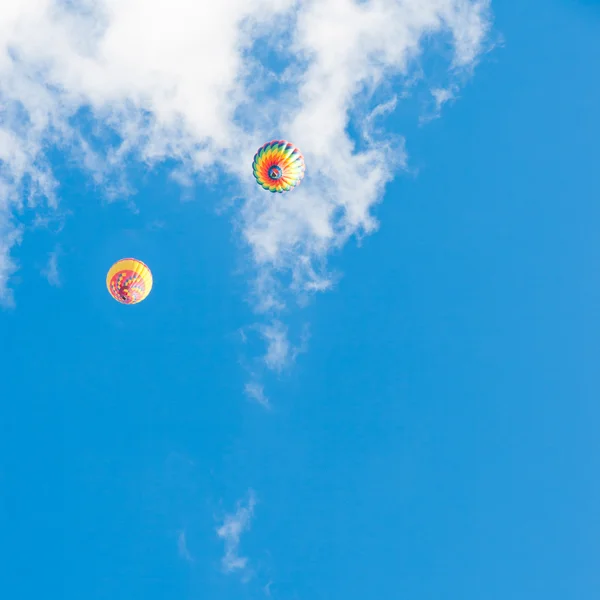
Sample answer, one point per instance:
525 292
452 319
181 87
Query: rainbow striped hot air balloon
129 281
278 166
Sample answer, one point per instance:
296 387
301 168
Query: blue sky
429 424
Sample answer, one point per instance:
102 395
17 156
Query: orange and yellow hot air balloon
129 281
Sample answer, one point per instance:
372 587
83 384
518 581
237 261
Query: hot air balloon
129 281
278 166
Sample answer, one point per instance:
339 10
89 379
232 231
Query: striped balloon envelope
129 281
278 166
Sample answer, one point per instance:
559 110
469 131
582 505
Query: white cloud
279 354
50 272
256 392
10 235
182 547
231 530
179 79
441 96
278 345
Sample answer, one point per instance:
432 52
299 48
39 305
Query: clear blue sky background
437 441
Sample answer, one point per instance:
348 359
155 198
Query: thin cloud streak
182 547
231 531
278 345
256 392
50 272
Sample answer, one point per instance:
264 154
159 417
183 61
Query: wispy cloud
440 96
10 236
278 345
182 547
256 392
179 79
231 531
50 272
280 352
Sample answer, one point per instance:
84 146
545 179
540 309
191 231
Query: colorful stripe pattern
278 166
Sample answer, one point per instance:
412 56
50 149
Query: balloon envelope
278 166
129 281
